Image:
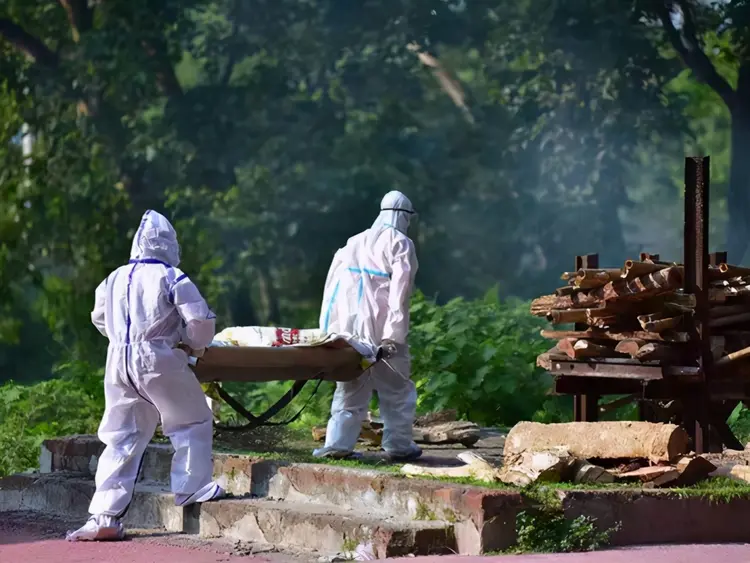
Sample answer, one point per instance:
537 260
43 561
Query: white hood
395 211
156 239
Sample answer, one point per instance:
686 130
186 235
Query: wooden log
542 306
566 290
667 479
731 271
741 291
633 269
568 316
730 320
590 278
734 356
553 465
566 346
693 469
630 346
587 473
659 322
728 310
647 474
456 432
656 352
616 336
661 281
606 322
587 349
601 440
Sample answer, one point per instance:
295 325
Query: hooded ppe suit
145 309
367 296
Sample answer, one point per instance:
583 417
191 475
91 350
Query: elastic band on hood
395 211
155 239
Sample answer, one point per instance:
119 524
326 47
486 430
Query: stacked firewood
640 312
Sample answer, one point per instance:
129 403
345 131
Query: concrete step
325 529
483 519
69 495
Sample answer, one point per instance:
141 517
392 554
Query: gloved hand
389 348
190 352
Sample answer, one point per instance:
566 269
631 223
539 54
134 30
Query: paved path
725 553
32 540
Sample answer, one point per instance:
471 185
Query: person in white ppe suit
146 308
367 296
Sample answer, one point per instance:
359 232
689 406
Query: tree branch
28 44
448 84
80 16
688 46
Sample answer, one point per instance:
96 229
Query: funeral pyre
640 312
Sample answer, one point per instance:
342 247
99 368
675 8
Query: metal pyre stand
698 396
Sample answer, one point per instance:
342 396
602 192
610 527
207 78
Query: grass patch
717 489
543 528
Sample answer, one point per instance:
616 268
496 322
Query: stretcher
262 354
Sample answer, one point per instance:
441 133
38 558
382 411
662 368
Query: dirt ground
297 445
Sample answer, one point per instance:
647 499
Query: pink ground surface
32 541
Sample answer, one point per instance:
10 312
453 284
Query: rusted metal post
716 258
696 282
586 407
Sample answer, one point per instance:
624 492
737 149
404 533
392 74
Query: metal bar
624 369
585 406
646 256
614 371
696 282
716 258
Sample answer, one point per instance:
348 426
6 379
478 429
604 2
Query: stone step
483 519
69 495
325 529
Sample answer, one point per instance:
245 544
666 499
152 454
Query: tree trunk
270 293
241 305
738 199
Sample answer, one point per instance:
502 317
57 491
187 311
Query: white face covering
396 211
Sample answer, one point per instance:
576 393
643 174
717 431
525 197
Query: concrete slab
324 529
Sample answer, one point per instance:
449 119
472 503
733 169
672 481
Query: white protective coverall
145 309
367 296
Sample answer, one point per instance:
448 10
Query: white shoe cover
212 491
98 528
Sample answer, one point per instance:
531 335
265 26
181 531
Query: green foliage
551 532
71 403
544 528
478 357
739 422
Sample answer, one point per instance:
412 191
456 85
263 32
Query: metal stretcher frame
332 361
